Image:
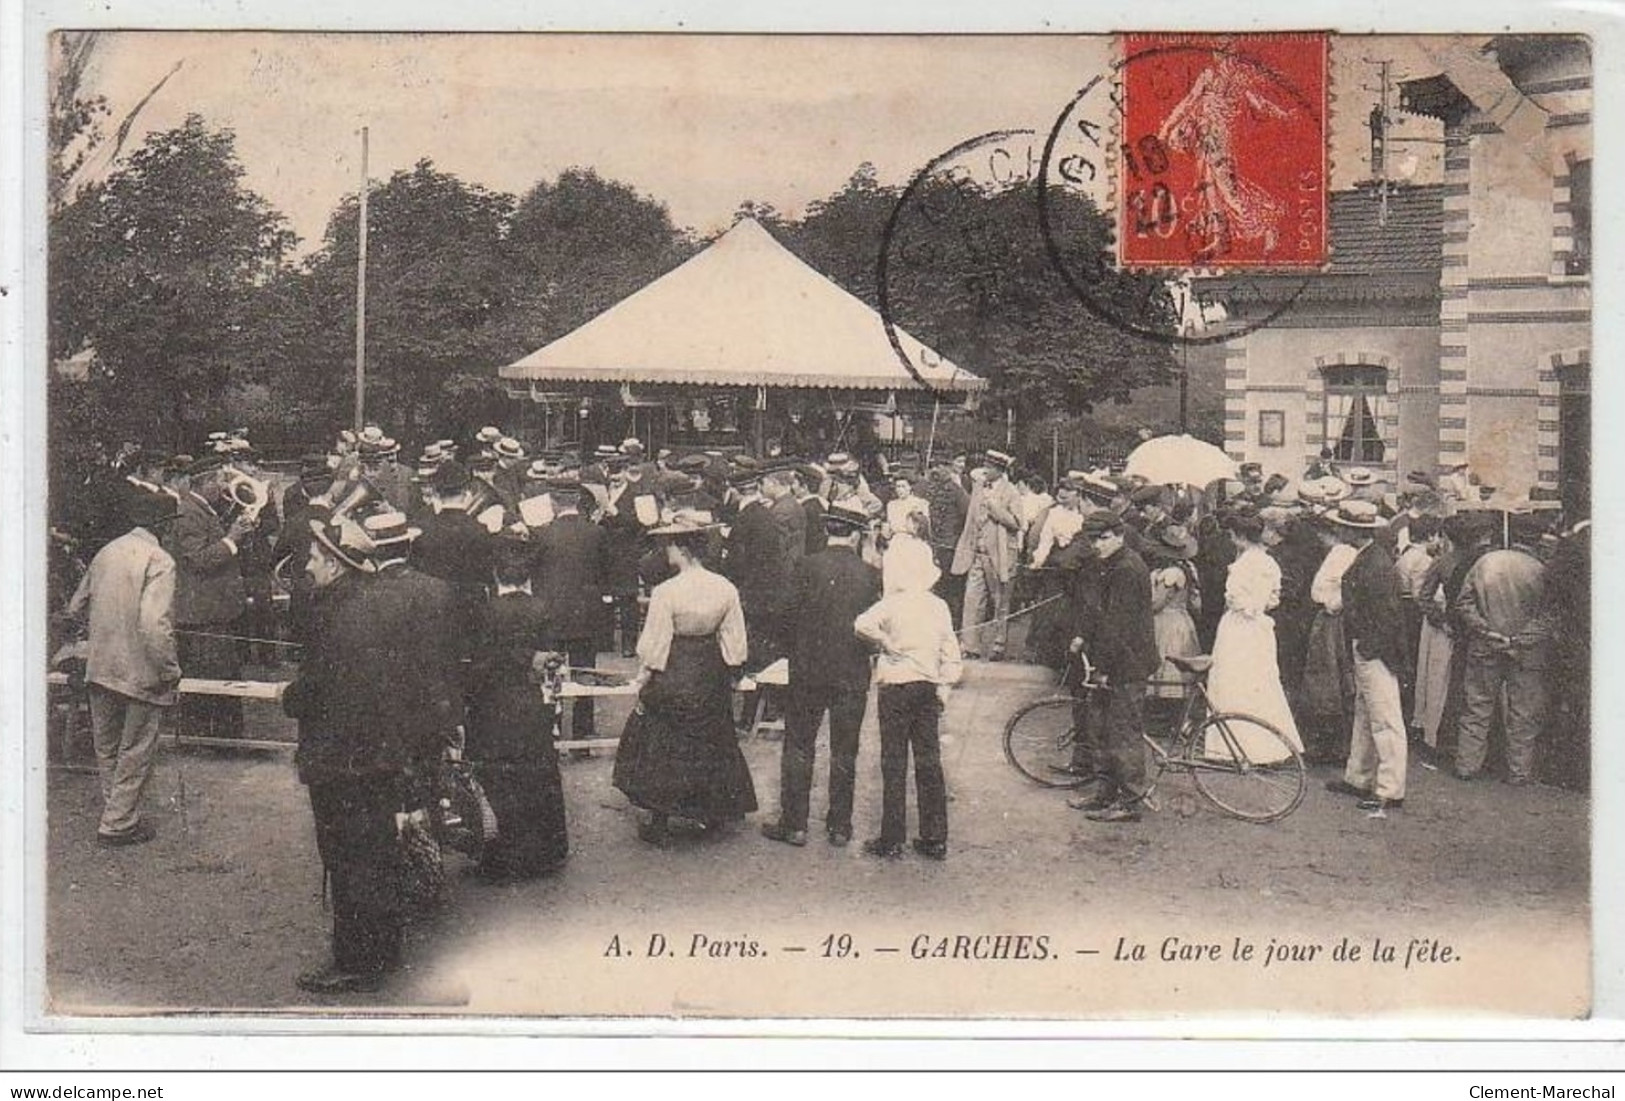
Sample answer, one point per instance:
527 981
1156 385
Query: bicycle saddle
1201 663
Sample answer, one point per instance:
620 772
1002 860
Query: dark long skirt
528 799
679 754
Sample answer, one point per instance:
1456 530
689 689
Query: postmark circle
1089 113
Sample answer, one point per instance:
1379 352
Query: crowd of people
438 606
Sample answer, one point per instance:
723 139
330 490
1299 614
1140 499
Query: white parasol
1179 460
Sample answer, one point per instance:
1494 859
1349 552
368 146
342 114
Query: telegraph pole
361 299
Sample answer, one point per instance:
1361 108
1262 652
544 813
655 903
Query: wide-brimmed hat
1355 513
744 472
1323 491
631 445
345 539
488 435
684 522
696 464
1359 476
1173 539
841 518
541 469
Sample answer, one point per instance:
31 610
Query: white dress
1245 676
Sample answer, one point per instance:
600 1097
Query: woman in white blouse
1245 676
679 756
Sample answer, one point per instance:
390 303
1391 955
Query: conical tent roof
744 312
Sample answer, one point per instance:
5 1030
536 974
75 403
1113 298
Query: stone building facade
1452 324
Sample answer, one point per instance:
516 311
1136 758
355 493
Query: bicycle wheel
1245 767
1038 742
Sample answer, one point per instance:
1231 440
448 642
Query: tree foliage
155 268
969 274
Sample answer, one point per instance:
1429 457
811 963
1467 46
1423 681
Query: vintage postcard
824 526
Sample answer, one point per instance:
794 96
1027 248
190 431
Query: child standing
919 661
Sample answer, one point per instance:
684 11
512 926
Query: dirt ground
224 908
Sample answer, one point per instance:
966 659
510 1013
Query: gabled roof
1409 238
1375 255
744 312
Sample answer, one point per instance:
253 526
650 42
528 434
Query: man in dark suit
1373 621
570 568
454 546
377 703
809 480
758 566
829 672
210 597
1124 654
778 486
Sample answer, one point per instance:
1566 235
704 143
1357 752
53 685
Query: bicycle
1241 764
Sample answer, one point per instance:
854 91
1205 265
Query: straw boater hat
1359 476
346 540
999 459
488 435
372 443
1362 515
509 448
840 462
389 529
1323 491
631 446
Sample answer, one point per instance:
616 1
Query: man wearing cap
778 486
809 479
1509 629
1122 646
1373 623
378 701
292 548
127 599
210 597
571 568
829 672
986 557
758 565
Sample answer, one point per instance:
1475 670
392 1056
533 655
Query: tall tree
581 244
153 268
437 279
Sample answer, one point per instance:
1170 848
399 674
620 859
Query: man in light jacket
989 547
127 599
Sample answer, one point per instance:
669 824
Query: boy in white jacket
919 660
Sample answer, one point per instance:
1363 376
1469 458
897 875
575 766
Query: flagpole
361 299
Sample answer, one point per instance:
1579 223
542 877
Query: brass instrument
248 493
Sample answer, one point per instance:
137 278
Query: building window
1271 428
1579 258
1356 405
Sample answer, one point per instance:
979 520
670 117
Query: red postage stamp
1223 151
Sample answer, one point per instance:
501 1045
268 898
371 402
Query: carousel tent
744 312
